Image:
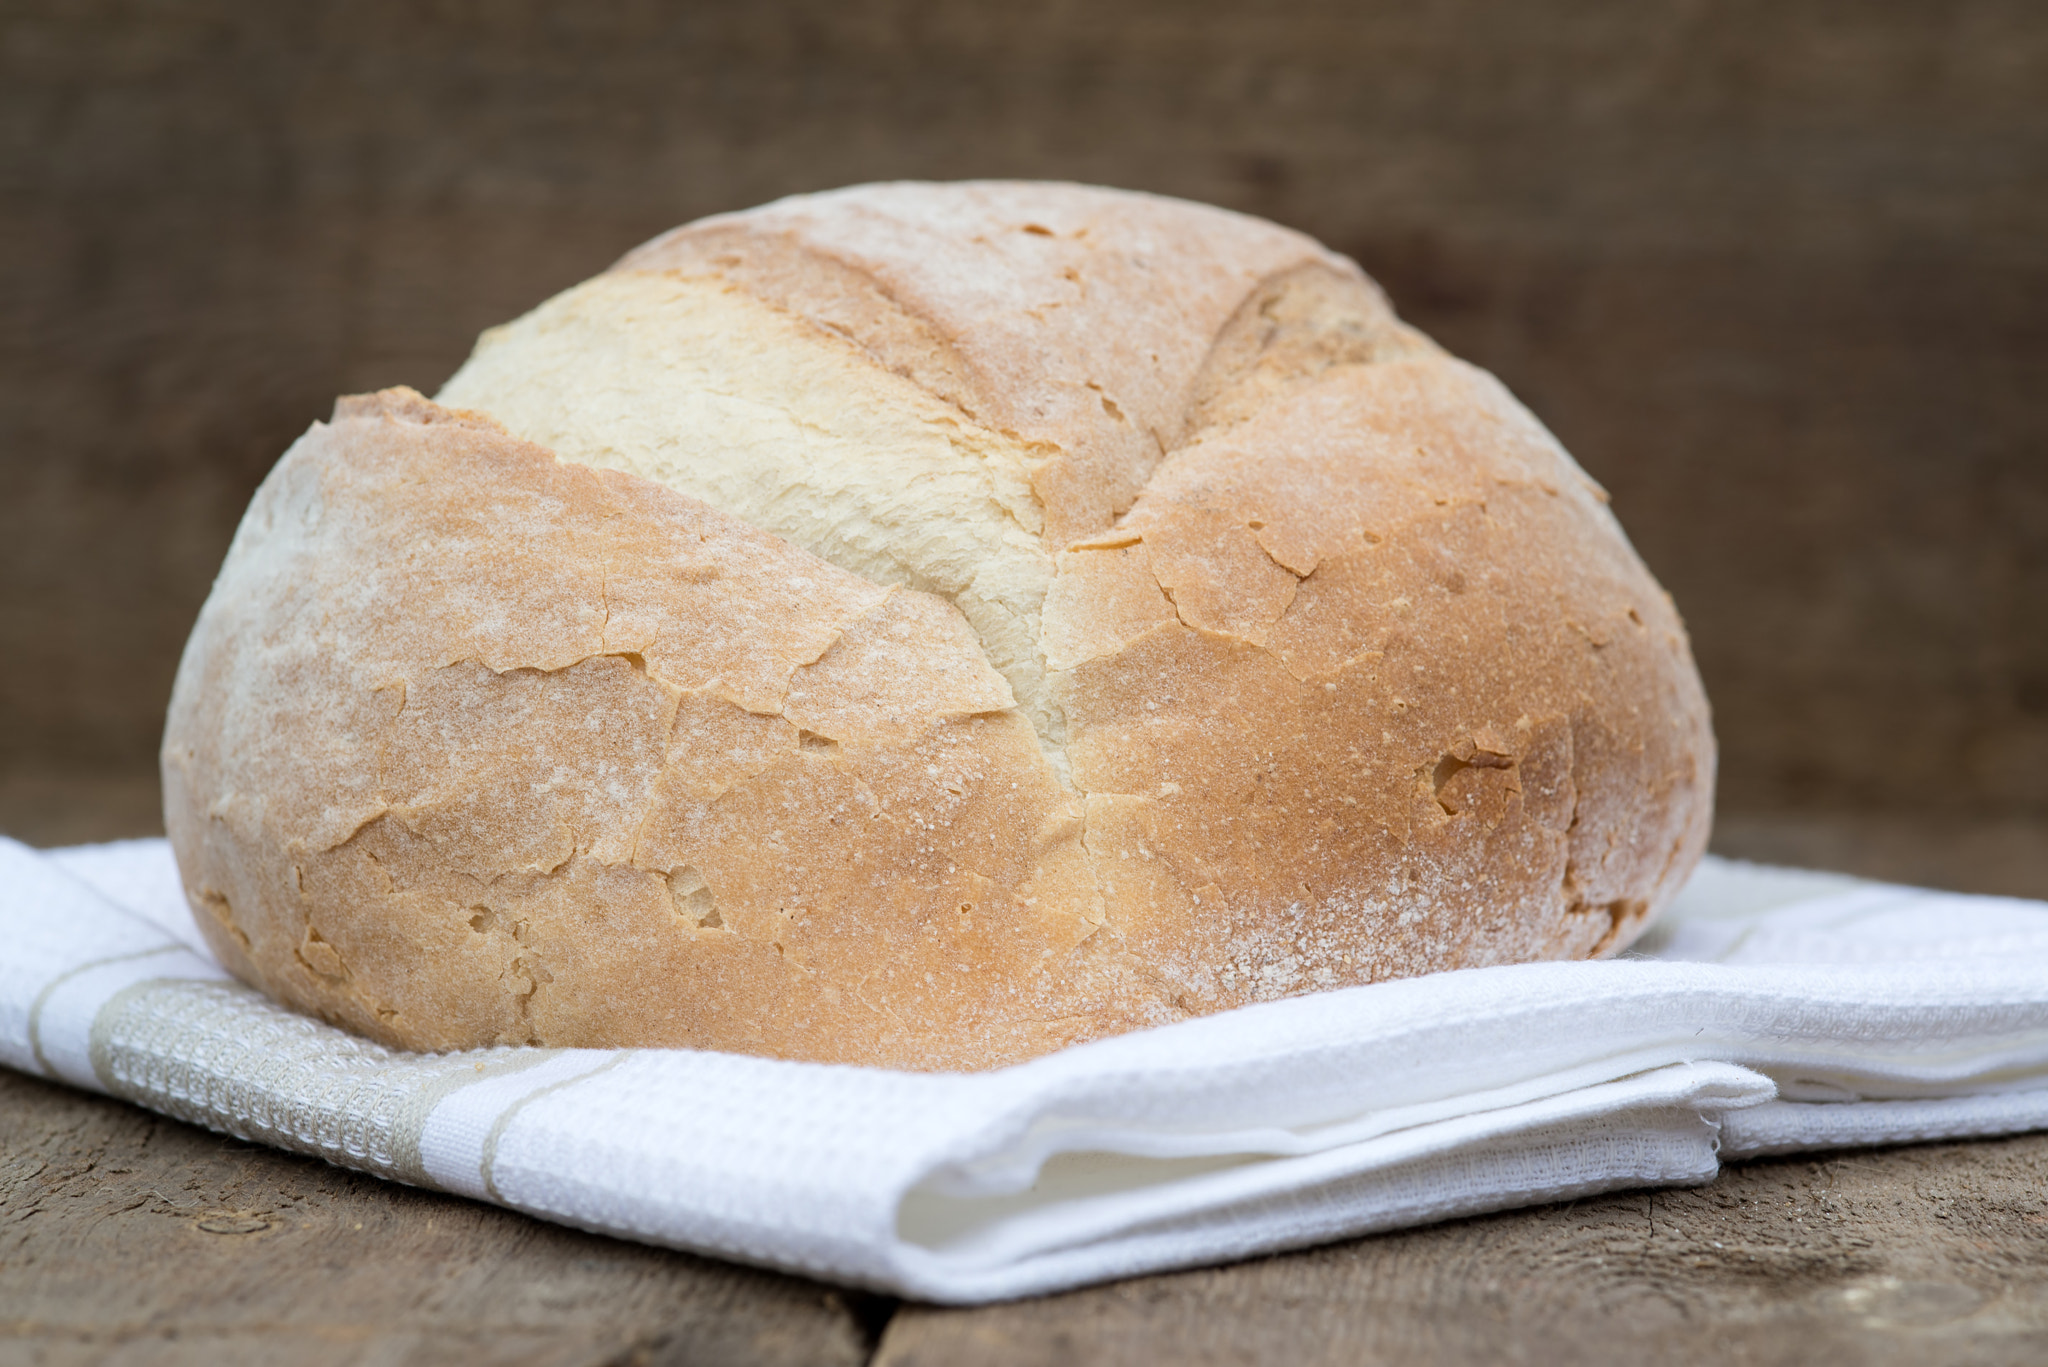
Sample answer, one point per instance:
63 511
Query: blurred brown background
1775 272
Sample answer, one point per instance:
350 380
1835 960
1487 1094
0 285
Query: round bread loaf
927 625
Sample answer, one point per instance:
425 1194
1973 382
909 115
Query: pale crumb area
701 388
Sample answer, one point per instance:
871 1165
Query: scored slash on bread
927 626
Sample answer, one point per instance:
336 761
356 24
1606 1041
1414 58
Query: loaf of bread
927 626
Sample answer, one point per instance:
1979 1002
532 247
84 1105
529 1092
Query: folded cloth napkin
1772 1010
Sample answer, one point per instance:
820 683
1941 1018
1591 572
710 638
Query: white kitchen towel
1772 1010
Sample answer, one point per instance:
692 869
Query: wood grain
2005 857
125 1237
1936 1253
129 1238
1771 269
1906 1256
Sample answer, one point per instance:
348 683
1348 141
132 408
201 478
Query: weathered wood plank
2006 856
1772 270
1908 1256
1928 1254
128 1238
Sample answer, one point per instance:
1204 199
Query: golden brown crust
1356 678
1402 707
1073 317
473 746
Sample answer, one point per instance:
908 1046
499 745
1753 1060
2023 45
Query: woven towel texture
1772 1011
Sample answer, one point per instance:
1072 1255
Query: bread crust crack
927 626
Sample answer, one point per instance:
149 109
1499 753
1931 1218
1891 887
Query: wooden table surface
1772 271
129 1238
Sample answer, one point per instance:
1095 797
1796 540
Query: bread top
928 625
937 386
1077 322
